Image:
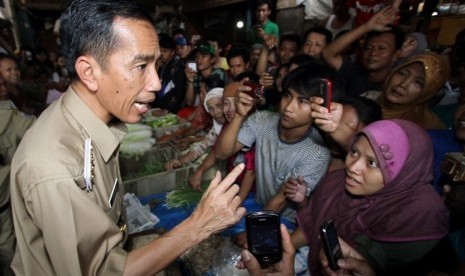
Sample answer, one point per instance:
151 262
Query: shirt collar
105 137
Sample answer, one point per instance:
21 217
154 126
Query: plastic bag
225 260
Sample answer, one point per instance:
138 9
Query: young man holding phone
204 55
264 29
288 147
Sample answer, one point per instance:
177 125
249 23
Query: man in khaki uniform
13 125
66 190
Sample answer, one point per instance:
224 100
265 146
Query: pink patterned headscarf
406 209
392 150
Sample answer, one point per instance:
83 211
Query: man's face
166 55
183 51
236 66
9 71
380 52
314 45
295 111
287 50
204 61
262 13
130 81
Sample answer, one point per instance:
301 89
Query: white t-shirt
276 160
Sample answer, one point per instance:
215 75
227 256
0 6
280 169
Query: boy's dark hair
251 75
302 60
292 38
216 37
7 56
319 30
87 28
178 31
166 41
238 51
398 35
368 111
306 80
213 81
269 3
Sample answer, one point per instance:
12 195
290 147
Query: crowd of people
371 159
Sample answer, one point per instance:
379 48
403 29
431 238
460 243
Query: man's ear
86 69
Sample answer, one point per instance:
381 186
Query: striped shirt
276 160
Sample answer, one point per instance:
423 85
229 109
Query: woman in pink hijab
382 203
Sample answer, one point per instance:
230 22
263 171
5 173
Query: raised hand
380 20
219 207
326 121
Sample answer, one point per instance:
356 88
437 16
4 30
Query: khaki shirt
13 125
61 228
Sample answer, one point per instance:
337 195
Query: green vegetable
137 141
138 135
163 121
129 149
185 197
137 127
148 169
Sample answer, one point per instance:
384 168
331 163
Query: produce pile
185 197
198 260
162 121
137 141
151 168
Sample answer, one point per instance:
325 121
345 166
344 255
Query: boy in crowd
288 147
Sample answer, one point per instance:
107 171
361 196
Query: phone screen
264 236
331 244
192 66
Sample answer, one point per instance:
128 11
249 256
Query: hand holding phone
264 236
326 92
331 244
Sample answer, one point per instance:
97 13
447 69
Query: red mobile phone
257 89
326 92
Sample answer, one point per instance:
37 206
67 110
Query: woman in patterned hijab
411 87
382 203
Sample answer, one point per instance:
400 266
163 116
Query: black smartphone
264 236
331 244
326 92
